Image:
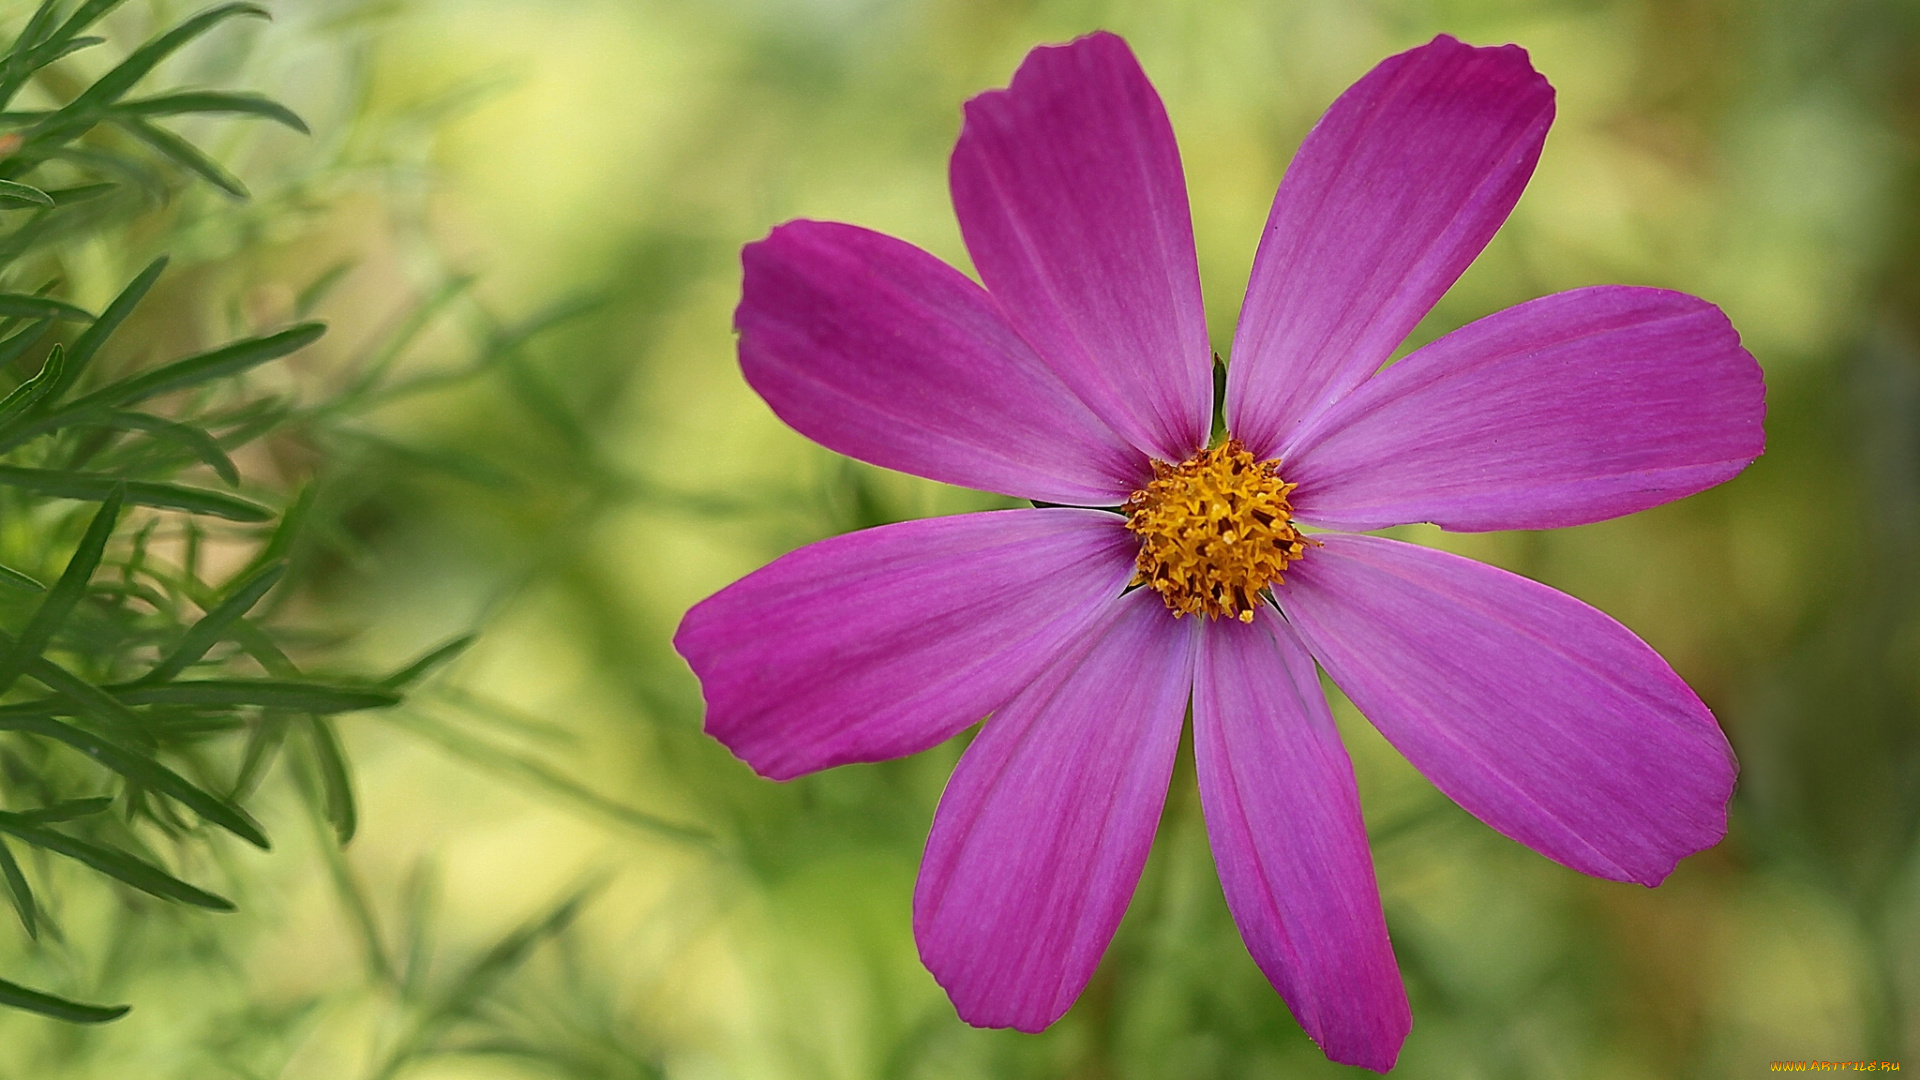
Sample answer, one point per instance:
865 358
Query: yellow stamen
1214 531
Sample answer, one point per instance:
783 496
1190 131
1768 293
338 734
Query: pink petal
1039 839
1284 818
1541 716
871 347
884 642
1070 195
1565 410
1392 194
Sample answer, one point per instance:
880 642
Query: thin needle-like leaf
17 305
184 154
36 29
27 393
420 668
311 296
88 700
214 101
263 745
12 347
336 780
15 194
471 985
266 693
95 487
88 344
14 579
114 863
395 344
546 778
112 86
40 39
59 602
280 544
79 193
88 13
19 892
70 47
59 1008
222 363
142 770
199 443
207 633
69 810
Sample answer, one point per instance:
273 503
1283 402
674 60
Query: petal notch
1073 204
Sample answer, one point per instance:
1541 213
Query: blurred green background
556 874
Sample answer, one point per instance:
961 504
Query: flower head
1215 531
1080 374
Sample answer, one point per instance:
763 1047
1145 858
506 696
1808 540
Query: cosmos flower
1080 377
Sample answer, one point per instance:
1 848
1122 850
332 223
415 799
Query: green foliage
141 694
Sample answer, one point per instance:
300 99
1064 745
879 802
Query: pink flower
1081 375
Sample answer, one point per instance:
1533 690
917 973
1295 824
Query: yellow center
1214 531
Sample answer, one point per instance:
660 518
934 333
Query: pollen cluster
1214 531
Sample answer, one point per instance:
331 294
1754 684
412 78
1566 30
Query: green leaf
69 48
122 168
206 633
280 544
19 891
336 780
114 863
94 487
79 193
476 980
12 347
36 29
15 194
27 393
214 101
184 154
59 1008
21 60
311 296
142 770
41 307
420 668
224 362
263 744
474 470
470 986
68 810
88 344
59 603
268 693
198 442
83 16
14 579
88 699
417 321
545 777
114 85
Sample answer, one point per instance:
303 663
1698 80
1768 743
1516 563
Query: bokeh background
529 213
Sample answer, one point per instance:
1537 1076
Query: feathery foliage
145 684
